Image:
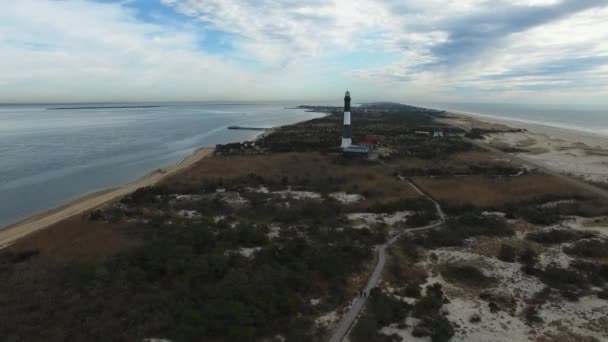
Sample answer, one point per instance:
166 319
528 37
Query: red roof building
369 141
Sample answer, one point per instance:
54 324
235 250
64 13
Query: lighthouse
346 133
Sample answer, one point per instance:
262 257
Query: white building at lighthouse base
346 142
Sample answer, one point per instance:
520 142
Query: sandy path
18 230
350 317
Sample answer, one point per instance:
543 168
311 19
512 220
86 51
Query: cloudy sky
530 51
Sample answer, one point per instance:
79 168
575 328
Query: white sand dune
573 152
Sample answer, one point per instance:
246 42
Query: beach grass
310 168
484 192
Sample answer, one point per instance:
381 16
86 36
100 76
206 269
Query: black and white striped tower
346 133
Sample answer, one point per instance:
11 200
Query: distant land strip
247 128
102 107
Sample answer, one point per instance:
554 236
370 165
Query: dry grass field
481 191
75 238
349 177
456 161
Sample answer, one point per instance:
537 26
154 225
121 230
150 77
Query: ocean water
591 119
49 157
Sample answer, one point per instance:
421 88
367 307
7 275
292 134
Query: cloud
79 51
498 48
289 49
487 28
277 32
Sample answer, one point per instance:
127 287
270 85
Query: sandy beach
575 153
12 233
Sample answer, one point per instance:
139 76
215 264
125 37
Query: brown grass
73 239
359 178
597 222
478 157
456 160
494 191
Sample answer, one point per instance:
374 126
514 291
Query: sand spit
18 230
577 153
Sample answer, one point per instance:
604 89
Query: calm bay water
49 157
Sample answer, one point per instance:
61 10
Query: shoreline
526 124
496 118
13 232
10 233
572 152
271 130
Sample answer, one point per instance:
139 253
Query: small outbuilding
369 141
356 149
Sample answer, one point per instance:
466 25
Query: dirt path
349 319
18 230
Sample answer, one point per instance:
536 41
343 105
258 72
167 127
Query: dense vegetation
468 276
446 171
428 310
589 248
558 236
456 231
223 276
480 133
393 123
381 310
191 282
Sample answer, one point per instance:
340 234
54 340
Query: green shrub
381 310
468 276
456 231
145 196
409 248
539 215
421 218
571 283
440 327
593 248
557 236
413 290
476 133
431 303
528 257
387 309
433 323
595 272
507 253
531 315
411 204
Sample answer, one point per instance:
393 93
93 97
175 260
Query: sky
506 51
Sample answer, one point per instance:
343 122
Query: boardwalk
347 321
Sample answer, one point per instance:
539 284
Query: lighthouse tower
346 133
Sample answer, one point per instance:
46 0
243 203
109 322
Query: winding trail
350 317
348 320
